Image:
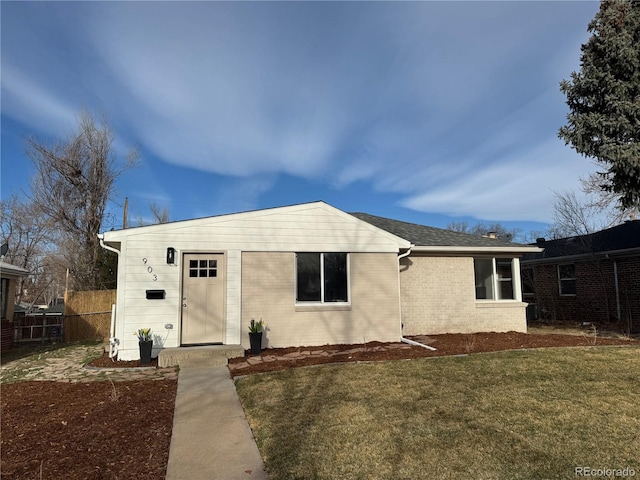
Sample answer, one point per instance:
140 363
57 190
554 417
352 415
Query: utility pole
124 215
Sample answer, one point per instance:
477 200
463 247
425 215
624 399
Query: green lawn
508 415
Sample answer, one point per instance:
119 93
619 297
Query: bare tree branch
160 215
29 236
72 184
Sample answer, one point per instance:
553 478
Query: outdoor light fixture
171 255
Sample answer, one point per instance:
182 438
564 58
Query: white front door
203 298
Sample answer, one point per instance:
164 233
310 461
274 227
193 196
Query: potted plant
255 336
145 343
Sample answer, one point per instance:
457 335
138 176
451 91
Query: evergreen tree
604 99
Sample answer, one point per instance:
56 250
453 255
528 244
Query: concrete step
201 356
203 362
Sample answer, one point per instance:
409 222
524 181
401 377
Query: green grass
508 415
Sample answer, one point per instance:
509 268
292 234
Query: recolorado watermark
604 472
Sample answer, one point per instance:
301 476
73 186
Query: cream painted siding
268 292
310 227
438 296
135 311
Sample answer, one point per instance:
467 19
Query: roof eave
480 250
567 258
12 271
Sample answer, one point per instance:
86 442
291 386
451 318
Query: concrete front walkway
211 438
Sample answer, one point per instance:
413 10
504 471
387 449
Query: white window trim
322 303
516 283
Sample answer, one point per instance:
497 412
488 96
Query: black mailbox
155 294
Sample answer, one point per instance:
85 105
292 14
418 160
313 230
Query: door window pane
203 268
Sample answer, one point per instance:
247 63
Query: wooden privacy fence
88 315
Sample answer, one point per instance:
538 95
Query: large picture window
322 277
494 278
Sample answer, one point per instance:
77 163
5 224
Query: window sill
500 304
323 307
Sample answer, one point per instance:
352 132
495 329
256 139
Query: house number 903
150 270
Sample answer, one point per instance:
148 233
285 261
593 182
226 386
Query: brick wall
268 292
438 296
629 288
6 335
595 298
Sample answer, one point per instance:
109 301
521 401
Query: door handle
184 305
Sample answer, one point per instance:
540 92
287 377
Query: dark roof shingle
621 237
421 235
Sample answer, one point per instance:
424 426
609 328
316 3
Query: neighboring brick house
587 278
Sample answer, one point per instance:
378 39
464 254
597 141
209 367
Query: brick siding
595 298
268 292
438 296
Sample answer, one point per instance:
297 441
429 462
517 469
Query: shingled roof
421 235
621 238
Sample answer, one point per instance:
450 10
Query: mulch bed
446 344
105 362
87 430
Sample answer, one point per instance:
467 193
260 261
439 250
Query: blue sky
421 111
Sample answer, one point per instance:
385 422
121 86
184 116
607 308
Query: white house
315 274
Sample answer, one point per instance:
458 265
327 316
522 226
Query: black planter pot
145 352
255 339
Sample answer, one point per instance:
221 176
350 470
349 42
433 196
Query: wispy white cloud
33 104
451 105
515 190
